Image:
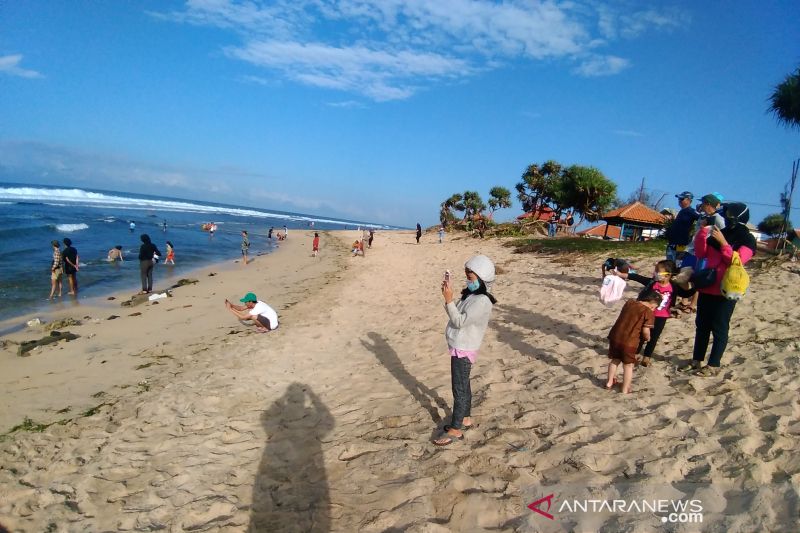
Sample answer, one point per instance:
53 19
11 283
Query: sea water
96 221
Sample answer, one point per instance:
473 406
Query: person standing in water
133 226
170 260
115 254
164 226
56 270
245 246
71 268
146 263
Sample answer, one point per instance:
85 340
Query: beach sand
325 424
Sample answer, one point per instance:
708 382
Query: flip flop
448 427
448 439
688 367
707 371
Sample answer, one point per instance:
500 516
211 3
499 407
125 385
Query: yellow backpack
736 280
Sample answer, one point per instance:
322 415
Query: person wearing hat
714 311
264 317
469 318
679 232
56 270
709 216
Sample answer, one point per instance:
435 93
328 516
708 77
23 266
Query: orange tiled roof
543 213
600 230
636 212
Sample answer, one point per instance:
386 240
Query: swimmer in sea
115 254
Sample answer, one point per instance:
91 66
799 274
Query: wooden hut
635 221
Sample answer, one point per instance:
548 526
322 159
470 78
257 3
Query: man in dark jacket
680 231
70 255
148 254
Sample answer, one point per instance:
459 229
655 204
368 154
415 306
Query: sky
378 110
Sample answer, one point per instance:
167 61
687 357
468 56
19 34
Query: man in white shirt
264 317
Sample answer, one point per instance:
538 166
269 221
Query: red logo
535 506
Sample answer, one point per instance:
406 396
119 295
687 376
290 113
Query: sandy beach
181 419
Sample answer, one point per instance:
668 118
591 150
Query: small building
635 221
602 231
543 213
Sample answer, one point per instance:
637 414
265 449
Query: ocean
96 221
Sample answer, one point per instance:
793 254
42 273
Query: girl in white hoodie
469 318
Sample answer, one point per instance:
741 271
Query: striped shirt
56 259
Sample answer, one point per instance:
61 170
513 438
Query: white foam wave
61 197
71 227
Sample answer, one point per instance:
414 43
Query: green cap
249 297
711 199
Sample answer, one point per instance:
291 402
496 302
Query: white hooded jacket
469 318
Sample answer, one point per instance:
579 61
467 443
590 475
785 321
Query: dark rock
55 336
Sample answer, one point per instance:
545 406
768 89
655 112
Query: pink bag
612 289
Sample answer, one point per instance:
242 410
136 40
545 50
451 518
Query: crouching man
264 317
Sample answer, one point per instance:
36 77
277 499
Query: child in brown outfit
632 325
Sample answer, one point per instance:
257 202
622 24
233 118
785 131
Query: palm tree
500 199
455 202
785 101
473 204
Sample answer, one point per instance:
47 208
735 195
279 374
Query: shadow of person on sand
391 361
535 321
291 488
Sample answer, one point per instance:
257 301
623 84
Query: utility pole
786 200
641 191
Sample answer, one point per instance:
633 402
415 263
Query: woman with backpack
714 310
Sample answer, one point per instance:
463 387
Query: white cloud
389 49
10 65
347 104
35 162
627 133
601 66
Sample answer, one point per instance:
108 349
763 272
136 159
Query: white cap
482 266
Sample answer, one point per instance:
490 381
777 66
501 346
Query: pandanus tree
587 191
454 203
500 198
473 204
775 225
539 185
785 100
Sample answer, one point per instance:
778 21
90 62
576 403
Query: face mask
473 285
661 276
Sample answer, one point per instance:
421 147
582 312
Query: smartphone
446 276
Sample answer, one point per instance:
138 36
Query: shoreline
18 322
99 359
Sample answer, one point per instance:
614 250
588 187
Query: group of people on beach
695 268
361 244
65 263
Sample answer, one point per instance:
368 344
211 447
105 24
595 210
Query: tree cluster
470 203
585 191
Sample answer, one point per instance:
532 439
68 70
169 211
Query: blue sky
380 109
